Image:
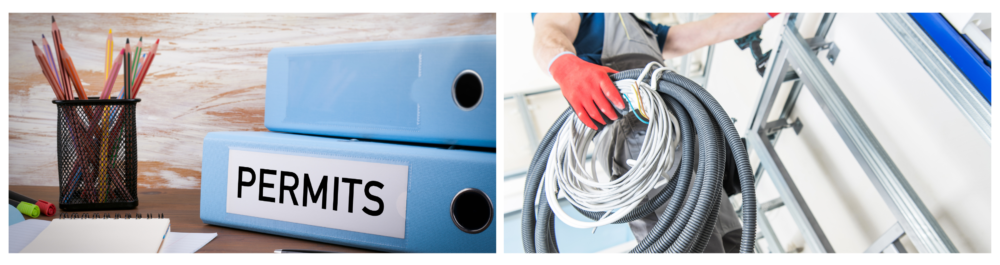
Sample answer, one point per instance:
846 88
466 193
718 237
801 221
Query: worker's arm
586 86
685 38
554 34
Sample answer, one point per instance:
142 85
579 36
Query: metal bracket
817 45
775 126
832 54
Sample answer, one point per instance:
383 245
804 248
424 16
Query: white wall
934 146
520 70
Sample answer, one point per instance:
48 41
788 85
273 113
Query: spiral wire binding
138 216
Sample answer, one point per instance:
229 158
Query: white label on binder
348 195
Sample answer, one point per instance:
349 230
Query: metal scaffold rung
794 55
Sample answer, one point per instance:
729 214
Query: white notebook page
100 236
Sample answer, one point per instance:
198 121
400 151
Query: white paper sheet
186 242
21 234
100 236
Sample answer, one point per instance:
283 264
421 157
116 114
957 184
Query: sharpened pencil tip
33 43
140 38
126 40
157 41
53 19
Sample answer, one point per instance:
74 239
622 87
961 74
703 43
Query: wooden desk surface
182 207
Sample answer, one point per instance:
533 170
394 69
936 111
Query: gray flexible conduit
686 223
532 181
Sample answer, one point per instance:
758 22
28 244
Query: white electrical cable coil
692 197
597 191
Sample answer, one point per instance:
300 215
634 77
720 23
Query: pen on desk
45 207
25 207
301 251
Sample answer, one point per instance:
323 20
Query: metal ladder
796 61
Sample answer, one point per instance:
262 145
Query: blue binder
437 91
447 196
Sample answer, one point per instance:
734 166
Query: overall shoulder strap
628 42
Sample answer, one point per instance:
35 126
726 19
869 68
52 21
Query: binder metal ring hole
467 90
471 211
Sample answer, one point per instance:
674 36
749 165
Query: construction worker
580 50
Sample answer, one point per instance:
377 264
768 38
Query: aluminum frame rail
757 139
794 54
944 72
889 239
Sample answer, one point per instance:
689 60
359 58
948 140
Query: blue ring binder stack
387 146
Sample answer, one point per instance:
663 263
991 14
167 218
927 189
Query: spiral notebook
101 235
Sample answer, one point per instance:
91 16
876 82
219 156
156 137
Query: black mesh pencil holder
97 154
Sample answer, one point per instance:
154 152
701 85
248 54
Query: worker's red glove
584 84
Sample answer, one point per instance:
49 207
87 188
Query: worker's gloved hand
587 87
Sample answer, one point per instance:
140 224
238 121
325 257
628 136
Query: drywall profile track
944 72
794 54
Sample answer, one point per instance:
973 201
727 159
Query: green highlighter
26 208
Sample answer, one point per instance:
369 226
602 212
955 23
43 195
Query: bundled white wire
597 191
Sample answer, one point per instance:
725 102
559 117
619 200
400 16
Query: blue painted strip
978 50
959 51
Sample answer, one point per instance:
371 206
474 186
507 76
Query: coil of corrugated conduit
674 107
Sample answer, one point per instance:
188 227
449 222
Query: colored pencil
93 176
114 74
48 70
61 74
73 75
138 66
42 61
145 69
135 73
135 58
127 66
107 55
67 73
51 60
